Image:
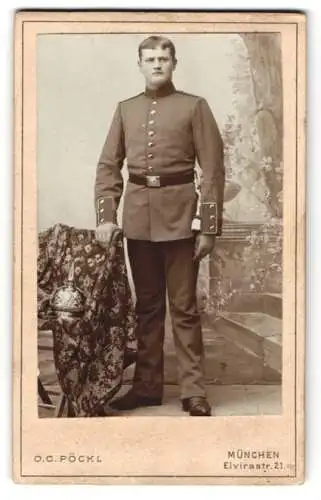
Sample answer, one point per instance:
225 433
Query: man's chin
158 80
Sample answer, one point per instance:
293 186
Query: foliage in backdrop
252 138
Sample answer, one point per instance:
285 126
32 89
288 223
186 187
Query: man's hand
204 244
105 232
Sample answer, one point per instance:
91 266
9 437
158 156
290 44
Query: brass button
150 167
150 155
101 219
101 201
153 111
151 133
101 210
154 102
150 144
151 122
212 227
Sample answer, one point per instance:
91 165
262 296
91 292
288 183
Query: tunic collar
163 91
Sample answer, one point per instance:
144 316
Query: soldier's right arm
109 181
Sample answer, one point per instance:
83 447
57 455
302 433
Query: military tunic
162 132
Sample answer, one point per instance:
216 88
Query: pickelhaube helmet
68 298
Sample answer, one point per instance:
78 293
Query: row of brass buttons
151 134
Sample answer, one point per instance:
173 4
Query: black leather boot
197 406
131 400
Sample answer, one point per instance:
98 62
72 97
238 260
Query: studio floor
226 400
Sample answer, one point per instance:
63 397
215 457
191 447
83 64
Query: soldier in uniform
162 132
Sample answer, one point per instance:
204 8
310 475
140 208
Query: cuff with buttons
105 210
209 218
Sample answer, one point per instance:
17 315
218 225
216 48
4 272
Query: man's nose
157 64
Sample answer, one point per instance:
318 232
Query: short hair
154 41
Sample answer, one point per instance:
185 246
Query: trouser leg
147 267
181 277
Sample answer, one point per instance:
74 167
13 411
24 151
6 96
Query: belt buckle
153 181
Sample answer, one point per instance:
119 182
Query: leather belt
155 181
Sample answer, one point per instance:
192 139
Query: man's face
157 66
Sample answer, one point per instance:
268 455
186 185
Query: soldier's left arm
209 151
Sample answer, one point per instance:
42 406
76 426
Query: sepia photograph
163 233
229 123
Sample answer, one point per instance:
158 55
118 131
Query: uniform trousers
157 268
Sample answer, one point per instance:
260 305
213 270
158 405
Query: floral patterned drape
89 349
